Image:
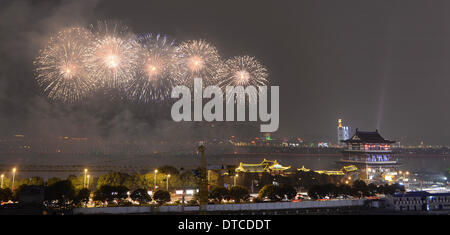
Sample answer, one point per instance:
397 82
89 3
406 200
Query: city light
167 181
154 180
13 178
85 178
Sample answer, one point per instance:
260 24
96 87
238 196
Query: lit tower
342 132
371 153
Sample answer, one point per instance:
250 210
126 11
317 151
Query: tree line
358 188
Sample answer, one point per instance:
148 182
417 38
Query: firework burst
60 68
113 55
156 70
198 59
243 71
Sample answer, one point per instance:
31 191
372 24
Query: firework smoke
60 68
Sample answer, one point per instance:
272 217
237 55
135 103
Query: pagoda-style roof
264 166
303 169
368 137
330 172
327 172
350 168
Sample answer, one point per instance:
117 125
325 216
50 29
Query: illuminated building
342 132
371 152
418 201
265 166
345 170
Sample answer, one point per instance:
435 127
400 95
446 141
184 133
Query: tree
32 181
166 170
219 193
360 189
62 191
30 194
82 196
239 193
188 179
391 189
6 194
161 196
77 182
288 191
111 193
53 180
270 191
329 190
113 179
141 195
345 190
313 191
372 189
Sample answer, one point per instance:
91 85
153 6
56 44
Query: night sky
377 64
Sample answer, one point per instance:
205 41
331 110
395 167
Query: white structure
419 201
342 132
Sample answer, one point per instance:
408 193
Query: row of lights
87 179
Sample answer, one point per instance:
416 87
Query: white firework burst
113 55
60 67
157 69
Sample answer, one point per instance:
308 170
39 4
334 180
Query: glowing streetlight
85 175
235 179
167 179
154 182
407 173
14 176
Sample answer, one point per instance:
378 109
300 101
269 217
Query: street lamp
14 176
3 176
235 179
84 182
154 182
167 179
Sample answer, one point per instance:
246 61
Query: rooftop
368 137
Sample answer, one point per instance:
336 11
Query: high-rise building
342 132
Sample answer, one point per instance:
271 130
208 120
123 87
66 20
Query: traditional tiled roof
368 137
264 166
350 168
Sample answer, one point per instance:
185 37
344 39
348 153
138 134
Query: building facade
419 201
371 153
342 132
